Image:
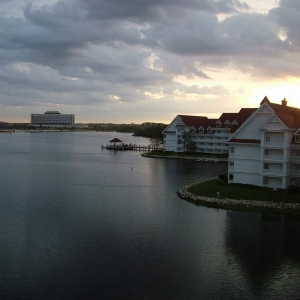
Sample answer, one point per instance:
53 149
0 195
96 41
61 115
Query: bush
223 178
294 188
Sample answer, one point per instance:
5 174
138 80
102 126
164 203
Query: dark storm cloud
287 15
155 10
100 48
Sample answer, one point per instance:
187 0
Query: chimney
284 102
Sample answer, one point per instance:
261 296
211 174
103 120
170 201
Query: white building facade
52 119
208 135
265 150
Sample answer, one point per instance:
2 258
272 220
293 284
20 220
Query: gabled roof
115 140
195 121
239 117
290 116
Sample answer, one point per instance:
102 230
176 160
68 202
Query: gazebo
116 141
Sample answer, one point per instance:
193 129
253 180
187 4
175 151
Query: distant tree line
5 125
149 129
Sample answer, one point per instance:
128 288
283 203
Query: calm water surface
78 222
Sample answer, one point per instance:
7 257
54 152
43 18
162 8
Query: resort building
52 119
265 149
207 135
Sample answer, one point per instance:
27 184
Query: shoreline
214 160
234 204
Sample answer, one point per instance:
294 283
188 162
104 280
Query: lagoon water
78 222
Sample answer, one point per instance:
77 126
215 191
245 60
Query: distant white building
265 150
52 119
208 135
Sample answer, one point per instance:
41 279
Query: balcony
273 172
274 144
295 157
295 172
273 157
223 134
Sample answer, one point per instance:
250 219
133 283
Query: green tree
186 141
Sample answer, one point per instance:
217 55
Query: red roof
290 116
197 121
116 140
245 141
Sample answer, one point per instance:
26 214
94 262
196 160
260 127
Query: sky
146 61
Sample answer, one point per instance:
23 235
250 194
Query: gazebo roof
116 140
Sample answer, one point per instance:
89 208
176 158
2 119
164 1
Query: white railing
273 171
273 157
222 134
273 144
295 157
295 172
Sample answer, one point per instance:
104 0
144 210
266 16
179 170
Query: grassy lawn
210 189
187 154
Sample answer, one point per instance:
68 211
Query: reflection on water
266 250
78 222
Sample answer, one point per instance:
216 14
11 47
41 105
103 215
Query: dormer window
297 138
192 129
227 123
218 124
209 130
235 123
201 129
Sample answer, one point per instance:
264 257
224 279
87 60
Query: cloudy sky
138 60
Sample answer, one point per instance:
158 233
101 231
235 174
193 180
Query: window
235 122
227 123
231 149
201 129
267 152
297 138
218 124
192 129
231 164
209 130
267 139
266 180
266 166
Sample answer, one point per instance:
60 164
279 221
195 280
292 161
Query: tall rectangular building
52 119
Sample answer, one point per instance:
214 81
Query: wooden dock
132 148
6 131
